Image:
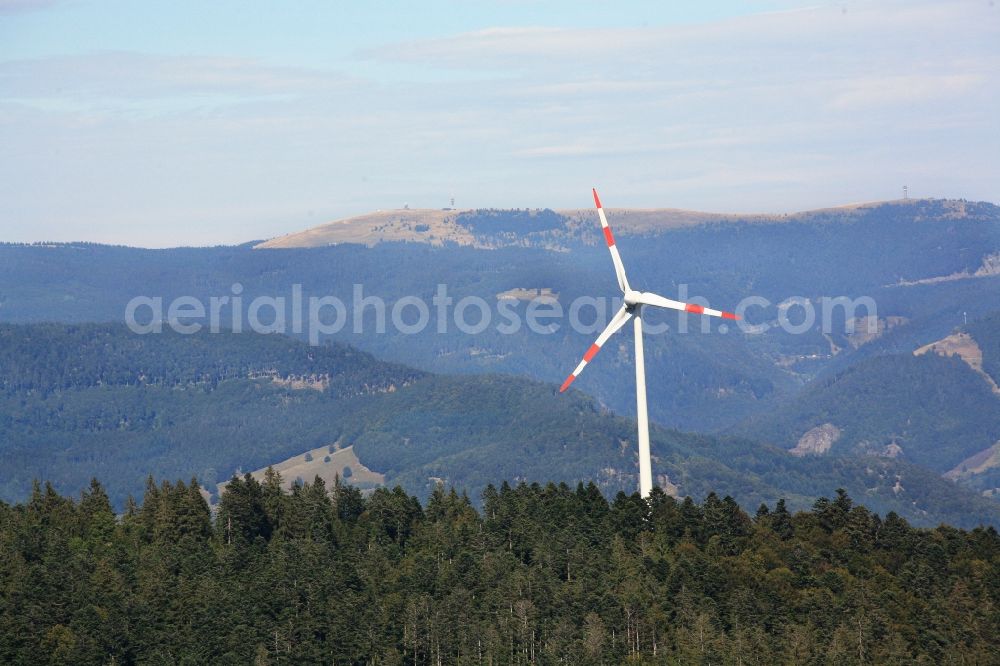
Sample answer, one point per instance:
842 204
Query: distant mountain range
857 396
493 228
891 252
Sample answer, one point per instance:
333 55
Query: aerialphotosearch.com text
327 315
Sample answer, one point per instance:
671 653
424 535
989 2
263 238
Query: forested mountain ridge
206 405
705 382
934 409
47 358
543 575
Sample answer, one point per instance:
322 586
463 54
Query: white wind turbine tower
632 309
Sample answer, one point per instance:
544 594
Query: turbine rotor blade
609 238
656 300
619 320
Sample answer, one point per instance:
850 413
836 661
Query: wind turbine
632 309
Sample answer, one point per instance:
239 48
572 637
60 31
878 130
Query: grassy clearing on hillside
323 463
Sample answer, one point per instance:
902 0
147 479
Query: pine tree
781 521
242 521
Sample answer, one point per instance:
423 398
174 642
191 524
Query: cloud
830 50
119 75
15 6
510 46
864 93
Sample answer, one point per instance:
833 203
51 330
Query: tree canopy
544 574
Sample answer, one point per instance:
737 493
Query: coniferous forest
543 575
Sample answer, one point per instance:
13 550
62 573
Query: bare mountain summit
439 226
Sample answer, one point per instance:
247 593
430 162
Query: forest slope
88 400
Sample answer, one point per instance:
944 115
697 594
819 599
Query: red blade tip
597 199
730 315
569 380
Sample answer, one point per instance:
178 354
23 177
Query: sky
161 124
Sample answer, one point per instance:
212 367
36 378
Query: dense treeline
544 575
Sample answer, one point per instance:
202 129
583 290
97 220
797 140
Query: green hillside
79 401
934 410
97 399
46 359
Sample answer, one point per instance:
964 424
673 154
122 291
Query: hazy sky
190 123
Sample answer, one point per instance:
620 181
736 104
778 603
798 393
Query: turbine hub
632 297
